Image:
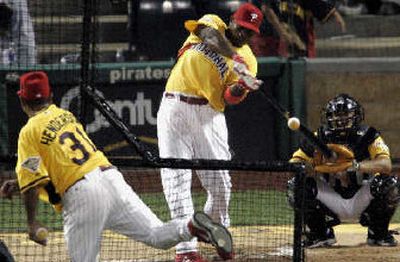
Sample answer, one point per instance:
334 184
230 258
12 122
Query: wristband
232 99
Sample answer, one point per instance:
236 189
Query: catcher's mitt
343 160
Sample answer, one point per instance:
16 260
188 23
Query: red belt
187 99
105 168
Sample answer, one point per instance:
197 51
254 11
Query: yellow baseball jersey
203 73
54 147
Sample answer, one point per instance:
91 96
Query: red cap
248 16
34 85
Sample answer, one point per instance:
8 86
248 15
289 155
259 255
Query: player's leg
175 127
130 216
86 207
346 208
318 217
133 218
377 216
212 143
218 186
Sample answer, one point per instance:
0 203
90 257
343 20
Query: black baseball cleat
387 240
202 227
314 240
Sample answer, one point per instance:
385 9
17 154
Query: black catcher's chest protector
358 140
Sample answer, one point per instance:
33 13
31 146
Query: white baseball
42 233
293 123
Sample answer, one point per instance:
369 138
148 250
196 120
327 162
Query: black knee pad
386 188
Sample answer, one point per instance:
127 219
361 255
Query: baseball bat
306 132
102 105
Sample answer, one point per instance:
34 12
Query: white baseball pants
346 209
103 200
189 132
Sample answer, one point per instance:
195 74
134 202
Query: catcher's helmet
343 114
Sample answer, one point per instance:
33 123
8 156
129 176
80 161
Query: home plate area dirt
351 246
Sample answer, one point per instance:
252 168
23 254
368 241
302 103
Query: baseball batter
58 162
363 190
215 67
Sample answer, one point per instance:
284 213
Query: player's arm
299 156
283 29
31 198
31 175
381 164
215 40
324 11
380 161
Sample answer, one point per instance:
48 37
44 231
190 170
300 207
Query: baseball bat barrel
305 131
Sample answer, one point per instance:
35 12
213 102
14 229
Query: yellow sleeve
300 156
378 148
249 58
251 61
30 169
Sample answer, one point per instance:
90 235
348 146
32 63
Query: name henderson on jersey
55 125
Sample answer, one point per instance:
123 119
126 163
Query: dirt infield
253 244
351 246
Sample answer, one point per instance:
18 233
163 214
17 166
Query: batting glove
249 82
239 65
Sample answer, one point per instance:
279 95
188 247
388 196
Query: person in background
273 31
300 15
17 38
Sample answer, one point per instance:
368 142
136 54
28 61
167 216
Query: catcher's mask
343 114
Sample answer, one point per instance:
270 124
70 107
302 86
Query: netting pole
299 199
85 56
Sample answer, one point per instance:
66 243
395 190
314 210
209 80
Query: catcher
354 186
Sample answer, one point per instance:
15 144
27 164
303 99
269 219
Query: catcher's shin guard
386 188
380 211
202 227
